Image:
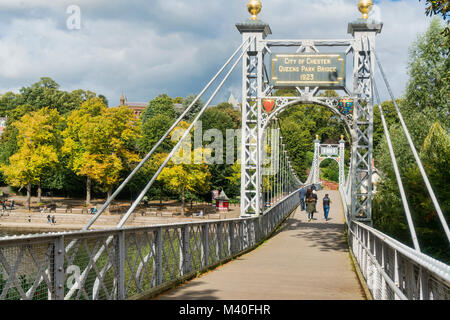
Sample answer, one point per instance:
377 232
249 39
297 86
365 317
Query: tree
99 143
38 141
105 101
161 105
426 98
439 7
152 131
198 105
186 177
425 110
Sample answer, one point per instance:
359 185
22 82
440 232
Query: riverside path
302 261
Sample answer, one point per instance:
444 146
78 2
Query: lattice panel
140 260
195 247
90 268
171 245
22 268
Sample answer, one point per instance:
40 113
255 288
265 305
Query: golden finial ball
365 6
342 137
254 7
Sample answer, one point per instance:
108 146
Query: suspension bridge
280 255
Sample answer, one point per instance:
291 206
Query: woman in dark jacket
310 204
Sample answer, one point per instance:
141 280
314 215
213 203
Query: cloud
173 46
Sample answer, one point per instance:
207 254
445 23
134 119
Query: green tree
439 7
426 99
190 116
161 105
425 109
152 131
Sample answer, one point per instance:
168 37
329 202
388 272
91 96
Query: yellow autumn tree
99 143
186 176
38 140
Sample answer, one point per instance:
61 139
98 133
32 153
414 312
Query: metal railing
394 271
137 260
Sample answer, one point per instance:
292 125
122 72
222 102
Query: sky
147 47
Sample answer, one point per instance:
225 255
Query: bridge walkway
303 261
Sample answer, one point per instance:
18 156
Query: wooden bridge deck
303 261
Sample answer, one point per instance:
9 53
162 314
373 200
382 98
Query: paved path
303 261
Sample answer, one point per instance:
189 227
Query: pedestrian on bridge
310 204
326 206
302 194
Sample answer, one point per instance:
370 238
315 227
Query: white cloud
173 46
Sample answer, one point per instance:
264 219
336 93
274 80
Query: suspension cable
414 151
397 172
143 161
175 149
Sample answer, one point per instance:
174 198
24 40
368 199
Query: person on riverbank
53 220
310 204
326 206
12 204
49 219
3 206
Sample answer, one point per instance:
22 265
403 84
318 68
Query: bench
77 210
166 214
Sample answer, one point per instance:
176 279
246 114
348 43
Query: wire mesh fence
121 263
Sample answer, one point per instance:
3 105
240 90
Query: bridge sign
324 70
329 150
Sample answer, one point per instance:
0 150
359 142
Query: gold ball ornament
365 6
254 7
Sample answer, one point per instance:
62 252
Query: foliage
99 141
425 110
186 177
198 105
38 142
152 131
426 98
299 125
439 7
161 105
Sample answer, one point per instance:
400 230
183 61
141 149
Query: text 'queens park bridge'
125 262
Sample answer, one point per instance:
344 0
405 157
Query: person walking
12 204
3 205
302 195
53 220
310 204
314 195
326 206
49 219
